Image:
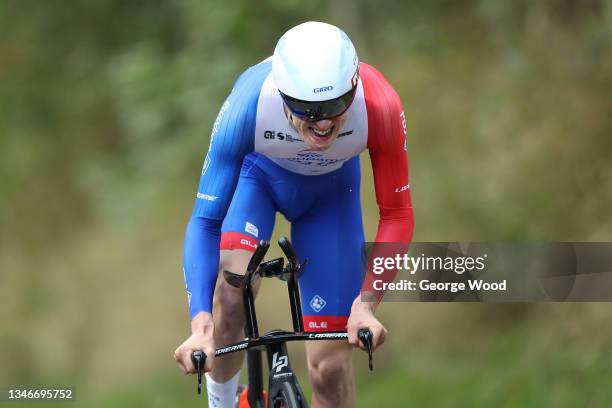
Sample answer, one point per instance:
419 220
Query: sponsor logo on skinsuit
273 135
317 303
402 189
217 123
317 325
248 243
206 197
350 132
308 157
206 164
251 229
403 117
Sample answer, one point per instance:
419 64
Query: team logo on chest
309 157
273 135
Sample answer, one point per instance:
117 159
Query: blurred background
105 112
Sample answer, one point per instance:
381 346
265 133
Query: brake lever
198 358
365 335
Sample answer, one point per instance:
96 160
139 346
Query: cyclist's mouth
321 135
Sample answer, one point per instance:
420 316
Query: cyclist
287 139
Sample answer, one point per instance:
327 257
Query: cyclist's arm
202 237
231 140
388 153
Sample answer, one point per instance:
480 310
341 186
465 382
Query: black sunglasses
315 111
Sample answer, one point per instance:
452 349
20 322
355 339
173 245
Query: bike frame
273 342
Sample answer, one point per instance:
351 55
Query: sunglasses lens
314 111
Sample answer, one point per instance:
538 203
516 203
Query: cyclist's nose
324 124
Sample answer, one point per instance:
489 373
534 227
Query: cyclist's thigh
250 217
331 237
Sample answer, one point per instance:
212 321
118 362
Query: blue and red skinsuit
257 165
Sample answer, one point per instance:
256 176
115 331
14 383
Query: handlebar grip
198 358
365 336
288 250
258 255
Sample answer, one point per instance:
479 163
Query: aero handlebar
273 268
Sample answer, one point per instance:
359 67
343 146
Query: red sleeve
387 147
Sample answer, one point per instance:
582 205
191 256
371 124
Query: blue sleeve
232 138
201 250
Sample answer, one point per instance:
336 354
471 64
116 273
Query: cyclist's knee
234 260
227 303
331 375
228 307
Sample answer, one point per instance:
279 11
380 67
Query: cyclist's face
319 135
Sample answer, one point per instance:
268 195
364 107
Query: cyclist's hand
362 316
202 338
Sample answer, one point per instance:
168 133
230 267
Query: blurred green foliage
105 111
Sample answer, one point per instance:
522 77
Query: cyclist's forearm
201 262
396 228
395 225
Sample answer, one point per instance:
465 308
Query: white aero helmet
316 70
